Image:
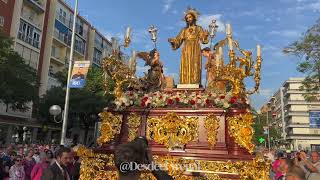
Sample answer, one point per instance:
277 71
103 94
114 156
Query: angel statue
154 79
192 36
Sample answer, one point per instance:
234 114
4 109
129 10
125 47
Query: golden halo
191 11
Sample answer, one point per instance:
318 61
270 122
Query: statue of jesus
191 35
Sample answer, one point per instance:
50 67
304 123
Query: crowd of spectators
296 165
38 162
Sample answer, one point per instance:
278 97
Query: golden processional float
209 128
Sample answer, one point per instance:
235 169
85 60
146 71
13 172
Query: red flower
193 102
170 102
130 93
222 96
209 94
207 101
177 99
142 104
145 99
160 97
233 100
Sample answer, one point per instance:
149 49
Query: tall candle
229 36
258 50
128 32
228 29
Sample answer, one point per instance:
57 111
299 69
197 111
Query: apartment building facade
296 119
42 31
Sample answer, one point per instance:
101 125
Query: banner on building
79 73
314 117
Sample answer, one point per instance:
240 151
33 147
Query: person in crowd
136 152
294 171
16 171
50 157
58 170
36 155
311 168
38 169
74 166
28 163
21 151
9 163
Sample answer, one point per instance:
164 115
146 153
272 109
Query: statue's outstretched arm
177 41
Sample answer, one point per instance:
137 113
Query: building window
29 34
97 56
1 21
314 117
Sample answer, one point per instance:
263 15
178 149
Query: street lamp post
268 126
66 104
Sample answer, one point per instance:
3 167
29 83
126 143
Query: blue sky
273 24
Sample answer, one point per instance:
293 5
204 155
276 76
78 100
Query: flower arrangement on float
160 99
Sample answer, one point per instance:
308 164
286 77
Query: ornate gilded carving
133 125
212 176
93 167
211 124
240 128
173 130
110 126
239 67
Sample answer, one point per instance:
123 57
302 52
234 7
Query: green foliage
18 81
84 104
308 50
259 122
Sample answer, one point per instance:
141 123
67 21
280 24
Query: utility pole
66 104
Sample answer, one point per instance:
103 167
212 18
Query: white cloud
266 92
310 5
167 5
286 33
205 19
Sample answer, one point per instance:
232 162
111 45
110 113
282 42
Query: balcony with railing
37 5
62 38
35 43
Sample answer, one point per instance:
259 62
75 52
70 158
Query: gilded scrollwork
173 130
211 124
110 126
240 128
133 125
93 167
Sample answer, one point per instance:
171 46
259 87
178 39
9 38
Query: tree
84 104
308 50
259 122
18 81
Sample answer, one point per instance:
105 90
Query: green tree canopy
18 81
84 105
308 50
